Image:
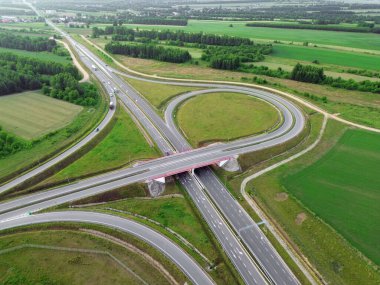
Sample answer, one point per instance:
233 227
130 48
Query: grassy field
342 39
48 266
158 94
224 116
327 56
123 145
31 115
343 189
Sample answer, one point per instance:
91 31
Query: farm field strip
343 189
31 114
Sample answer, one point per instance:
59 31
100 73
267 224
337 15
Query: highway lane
184 261
246 265
175 140
273 265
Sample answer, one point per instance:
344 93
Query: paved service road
186 263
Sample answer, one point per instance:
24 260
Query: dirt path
85 74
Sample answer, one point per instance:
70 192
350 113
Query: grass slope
122 145
343 189
31 114
158 94
46 266
40 55
327 56
224 116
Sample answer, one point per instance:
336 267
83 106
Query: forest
18 73
8 40
231 57
149 51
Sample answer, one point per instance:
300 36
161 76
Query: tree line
126 34
10 144
315 75
159 21
359 29
8 40
148 51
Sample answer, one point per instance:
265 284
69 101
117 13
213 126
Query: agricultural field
31 115
123 145
362 41
335 258
224 116
327 56
54 266
343 189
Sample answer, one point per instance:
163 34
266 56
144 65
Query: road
186 263
170 141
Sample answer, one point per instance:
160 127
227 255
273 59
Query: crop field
41 55
31 115
125 143
52 266
342 39
327 56
343 189
224 116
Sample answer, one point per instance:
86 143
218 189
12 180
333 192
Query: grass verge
76 268
224 116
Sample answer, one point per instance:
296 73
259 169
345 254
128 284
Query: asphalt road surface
185 262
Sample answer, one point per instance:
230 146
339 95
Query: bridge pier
230 165
156 186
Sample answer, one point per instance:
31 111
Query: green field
342 39
327 56
29 266
31 115
343 189
41 55
224 116
123 145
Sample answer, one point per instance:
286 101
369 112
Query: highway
186 263
243 240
